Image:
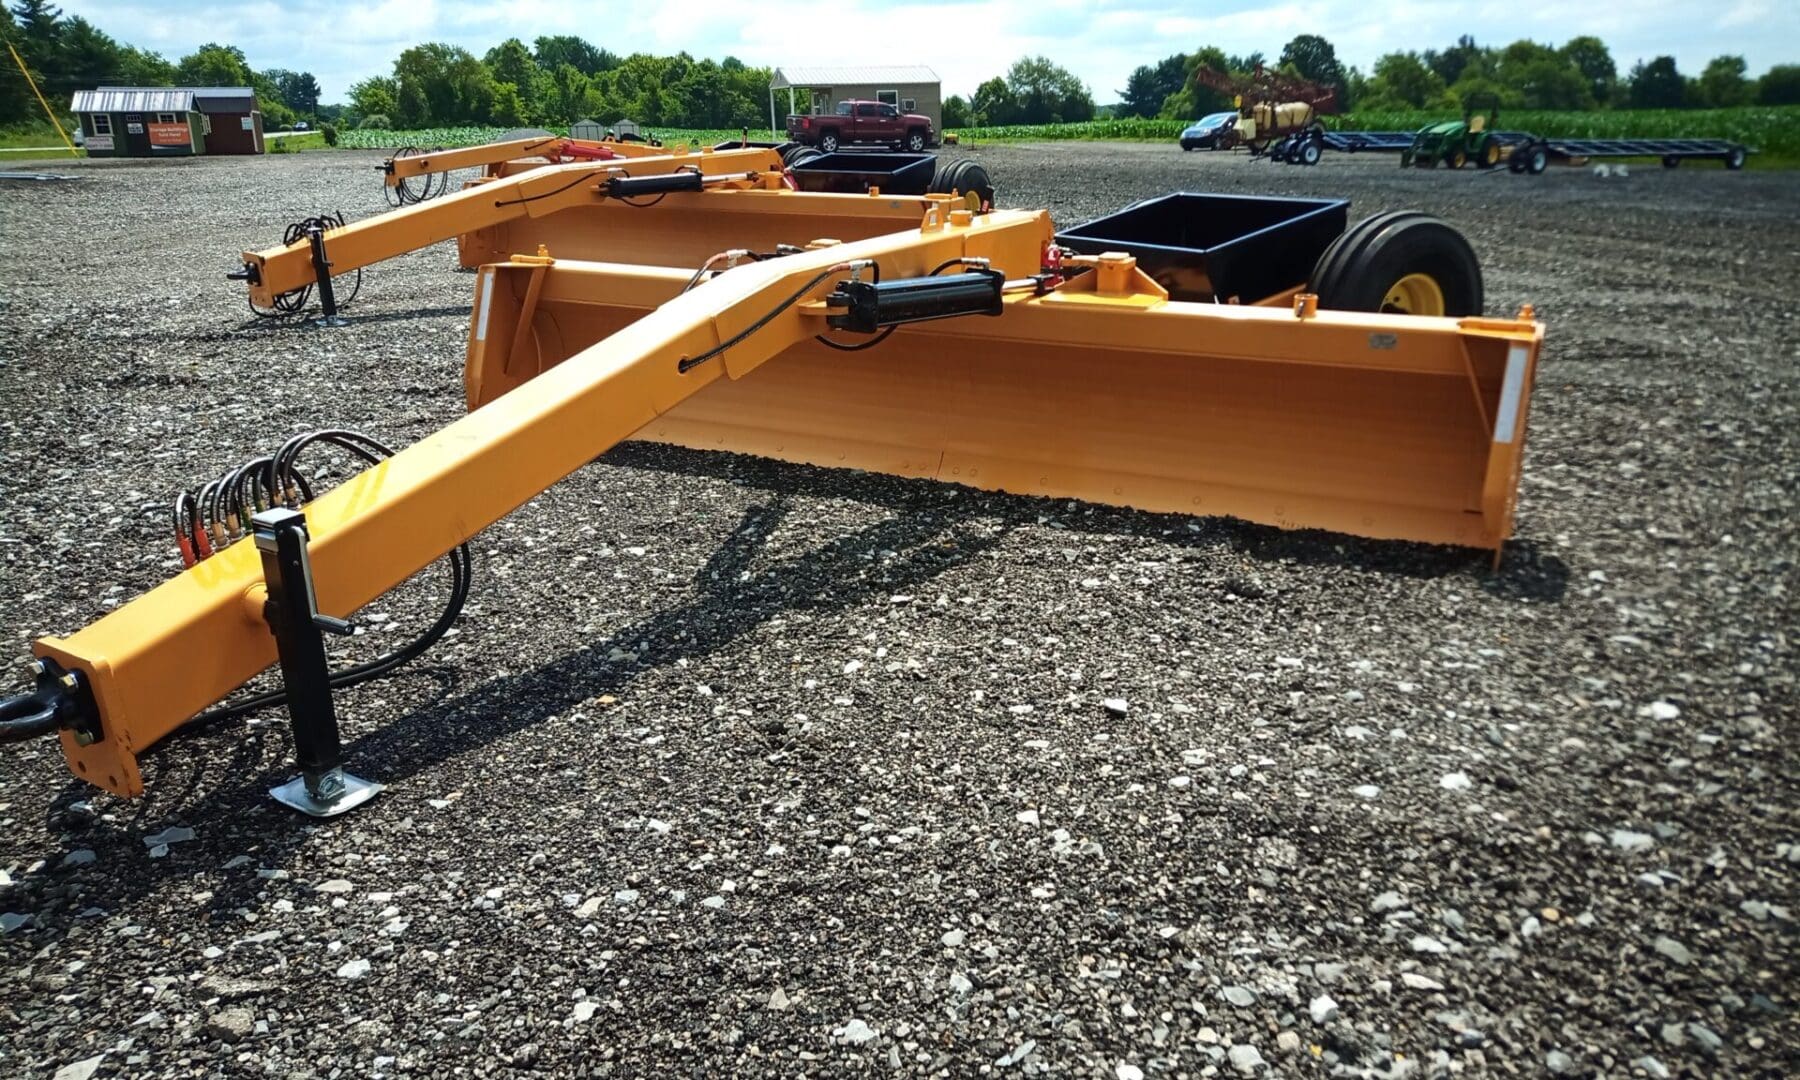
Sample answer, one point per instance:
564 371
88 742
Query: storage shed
815 91
164 121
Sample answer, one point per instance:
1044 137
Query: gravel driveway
741 768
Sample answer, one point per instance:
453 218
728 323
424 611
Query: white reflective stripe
484 287
1507 418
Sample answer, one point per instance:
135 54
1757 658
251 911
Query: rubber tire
915 142
1483 150
828 142
1310 152
630 136
1515 161
1737 158
1537 159
1457 159
1671 162
975 178
1356 271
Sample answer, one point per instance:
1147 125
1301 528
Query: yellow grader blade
1379 426
997 374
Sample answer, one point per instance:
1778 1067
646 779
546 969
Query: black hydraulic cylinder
624 187
871 305
281 537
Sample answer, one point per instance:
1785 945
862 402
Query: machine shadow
929 536
935 528
1526 573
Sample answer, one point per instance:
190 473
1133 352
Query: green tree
1314 58
512 63
1779 86
994 104
566 98
1656 85
86 56
214 65
377 96
1148 87
956 112
441 84
1450 64
1193 100
1403 80
1046 93
299 91
1723 85
39 35
555 50
141 67
1591 57
1543 77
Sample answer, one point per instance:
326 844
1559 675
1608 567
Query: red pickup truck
863 122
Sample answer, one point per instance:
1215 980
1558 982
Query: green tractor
1458 142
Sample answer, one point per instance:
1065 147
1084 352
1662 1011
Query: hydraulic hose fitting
59 699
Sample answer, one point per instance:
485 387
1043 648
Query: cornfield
1773 130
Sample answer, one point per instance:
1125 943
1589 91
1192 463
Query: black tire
1186 147
828 141
1671 162
1359 268
1537 159
1310 152
1735 160
803 155
1515 161
630 136
974 180
915 141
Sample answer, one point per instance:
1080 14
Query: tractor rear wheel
1402 262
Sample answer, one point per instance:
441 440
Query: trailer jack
323 788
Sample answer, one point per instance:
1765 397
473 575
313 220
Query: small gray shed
912 88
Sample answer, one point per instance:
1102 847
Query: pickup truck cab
863 122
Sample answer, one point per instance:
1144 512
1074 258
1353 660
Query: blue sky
965 42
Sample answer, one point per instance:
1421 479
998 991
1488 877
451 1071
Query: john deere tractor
1458 142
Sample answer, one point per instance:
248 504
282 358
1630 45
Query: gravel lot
739 768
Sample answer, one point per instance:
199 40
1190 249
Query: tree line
69 54
558 80
1580 75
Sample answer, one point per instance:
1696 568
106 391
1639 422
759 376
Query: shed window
888 97
909 105
166 118
102 123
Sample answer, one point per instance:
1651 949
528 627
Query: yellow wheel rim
1493 153
1457 159
1414 294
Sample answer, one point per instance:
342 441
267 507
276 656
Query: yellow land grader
1196 354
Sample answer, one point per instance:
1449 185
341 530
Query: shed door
137 135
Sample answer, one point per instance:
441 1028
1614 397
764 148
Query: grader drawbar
912 336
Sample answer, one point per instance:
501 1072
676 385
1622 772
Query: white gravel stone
855 1032
354 969
1323 1010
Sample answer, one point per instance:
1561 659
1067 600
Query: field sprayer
1176 357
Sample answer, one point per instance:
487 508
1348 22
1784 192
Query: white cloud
965 41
